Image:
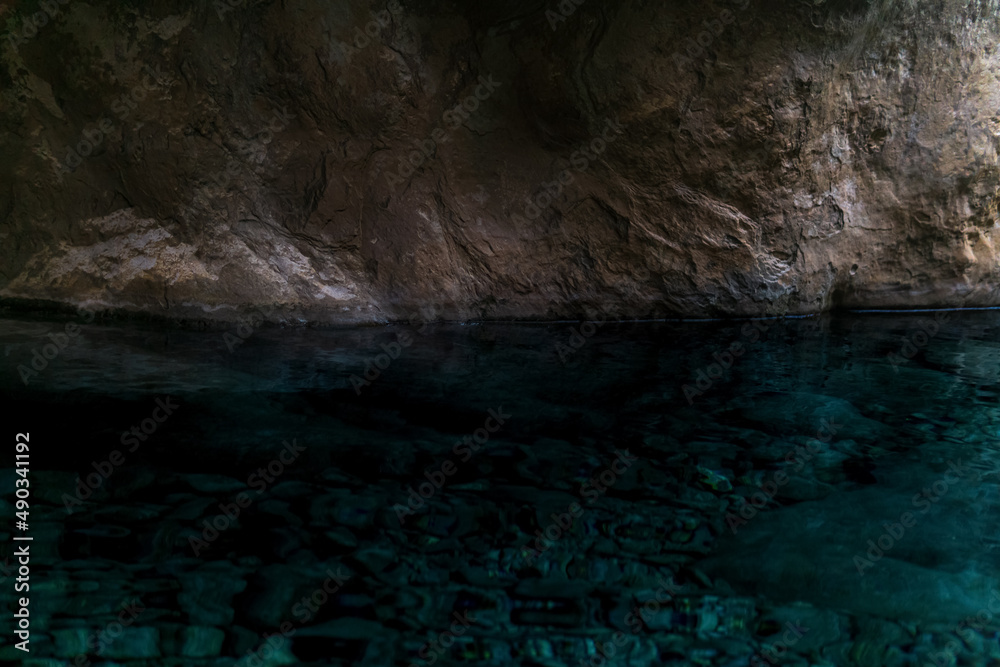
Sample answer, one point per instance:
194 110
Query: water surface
710 490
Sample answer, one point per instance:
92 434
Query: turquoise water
804 492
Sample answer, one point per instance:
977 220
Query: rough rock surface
251 156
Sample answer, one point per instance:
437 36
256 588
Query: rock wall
352 162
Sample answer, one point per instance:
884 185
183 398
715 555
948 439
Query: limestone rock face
353 162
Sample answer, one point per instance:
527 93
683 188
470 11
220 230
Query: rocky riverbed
490 498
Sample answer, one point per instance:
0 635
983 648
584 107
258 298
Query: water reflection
825 496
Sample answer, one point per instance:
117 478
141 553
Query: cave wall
353 162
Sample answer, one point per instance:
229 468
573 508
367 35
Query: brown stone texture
750 157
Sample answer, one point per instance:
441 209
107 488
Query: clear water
835 428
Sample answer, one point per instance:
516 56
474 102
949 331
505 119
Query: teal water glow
817 491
